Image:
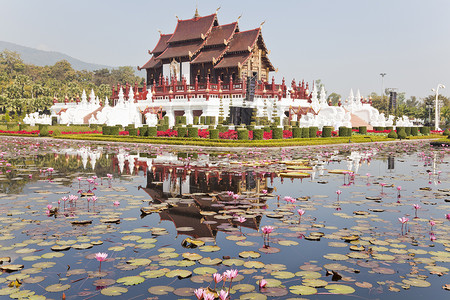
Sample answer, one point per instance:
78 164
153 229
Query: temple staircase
94 113
357 121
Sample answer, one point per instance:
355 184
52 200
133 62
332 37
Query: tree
334 98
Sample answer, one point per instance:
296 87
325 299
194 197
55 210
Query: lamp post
436 107
382 88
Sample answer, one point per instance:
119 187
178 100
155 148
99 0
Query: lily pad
160 290
58 287
114 291
340 289
302 290
131 280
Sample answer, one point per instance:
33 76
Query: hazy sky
345 43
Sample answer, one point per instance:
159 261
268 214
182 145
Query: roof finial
217 10
196 15
239 18
262 24
160 32
177 17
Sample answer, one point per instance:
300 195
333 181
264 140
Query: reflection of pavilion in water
202 202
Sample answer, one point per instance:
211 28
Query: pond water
168 218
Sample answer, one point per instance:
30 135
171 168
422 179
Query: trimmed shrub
402 134
294 123
313 131
166 120
56 132
10 126
446 132
408 131
143 131
43 130
258 134
276 121
399 128
162 127
326 131
114 130
182 131
212 120
106 130
54 121
390 128
287 127
251 127
214 134
414 131
132 131
22 126
342 131
93 126
193 132
242 134
277 133
267 129
362 130
196 120
392 134
152 131
424 130
296 132
305 132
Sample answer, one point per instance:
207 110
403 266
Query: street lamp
382 88
436 108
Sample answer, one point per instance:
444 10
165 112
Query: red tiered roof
193 29
233 60
162 44
244 40
221 35
181 50
209 55
152 63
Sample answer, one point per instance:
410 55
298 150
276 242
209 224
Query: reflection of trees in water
65 165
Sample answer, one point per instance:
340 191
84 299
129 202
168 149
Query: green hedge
182 131
362 130
277 133
305 132
392 135
389 128
258 134
214 134
296 132
408 131
313 131
143 131
152 131
250 127
196 120
43 130
326 131
425 130
162 127
242 134
267 129
114 130
106 130
414 131
446 132
132 131
401 134
193 132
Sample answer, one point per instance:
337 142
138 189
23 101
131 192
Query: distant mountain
48 58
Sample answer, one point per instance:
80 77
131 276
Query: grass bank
237 143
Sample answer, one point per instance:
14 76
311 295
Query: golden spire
196 15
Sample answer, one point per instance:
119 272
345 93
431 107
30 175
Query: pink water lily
416 208
264 192
404 221
110 176
223 295
241 219
432 223
100 256
199 293
289 199
267 229
447 216
116 203
301 212
235 196
262 283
